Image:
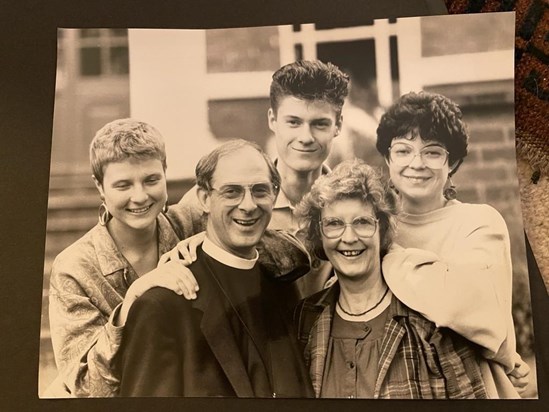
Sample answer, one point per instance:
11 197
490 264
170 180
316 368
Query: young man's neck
296 184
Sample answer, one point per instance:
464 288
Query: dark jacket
176 347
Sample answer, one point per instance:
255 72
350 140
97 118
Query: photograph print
298 211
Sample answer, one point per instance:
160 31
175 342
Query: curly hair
310 80
351 179
205 168
428 115
123 139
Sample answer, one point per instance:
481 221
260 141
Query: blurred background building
202 87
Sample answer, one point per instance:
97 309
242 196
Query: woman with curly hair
360 340
464 279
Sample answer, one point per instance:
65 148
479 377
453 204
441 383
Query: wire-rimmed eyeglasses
334 227
432 156
233 194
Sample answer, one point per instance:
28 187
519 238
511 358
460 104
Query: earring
104 215
450 193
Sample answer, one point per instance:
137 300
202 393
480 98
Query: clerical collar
227 258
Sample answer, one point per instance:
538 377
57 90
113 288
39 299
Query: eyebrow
158 175
244 184
319 119
435 144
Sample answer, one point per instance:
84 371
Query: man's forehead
243 166
295 106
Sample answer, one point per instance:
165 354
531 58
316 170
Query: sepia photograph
297 211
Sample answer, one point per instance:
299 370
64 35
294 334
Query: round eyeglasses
334 227
262 193
434 157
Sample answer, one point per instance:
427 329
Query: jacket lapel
287 380
216 329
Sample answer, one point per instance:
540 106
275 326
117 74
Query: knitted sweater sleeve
470 291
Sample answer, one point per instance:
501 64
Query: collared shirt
222 256
88 283
283 211
418 360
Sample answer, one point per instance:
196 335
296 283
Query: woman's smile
352 253
141 210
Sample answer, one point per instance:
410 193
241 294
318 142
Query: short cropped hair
429 115
205 168
310 80
124 139
351 179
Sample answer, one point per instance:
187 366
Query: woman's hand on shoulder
184 251
172 275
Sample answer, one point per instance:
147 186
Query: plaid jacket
418 360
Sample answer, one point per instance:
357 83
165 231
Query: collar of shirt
329 296
282 201
227 258
112 260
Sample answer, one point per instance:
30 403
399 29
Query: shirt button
366 328
351 365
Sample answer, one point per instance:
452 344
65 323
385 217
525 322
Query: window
103 52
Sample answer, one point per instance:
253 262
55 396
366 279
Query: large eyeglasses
434 157
262 193
334 227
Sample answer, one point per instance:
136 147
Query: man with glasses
234 339
305 116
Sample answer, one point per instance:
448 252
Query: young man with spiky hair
305 116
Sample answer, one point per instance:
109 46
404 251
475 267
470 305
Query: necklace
367 310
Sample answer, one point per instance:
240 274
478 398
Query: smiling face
304 131
351 255
237 228
420 187
134 192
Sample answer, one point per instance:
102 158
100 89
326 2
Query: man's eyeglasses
262 193
334 227
434 157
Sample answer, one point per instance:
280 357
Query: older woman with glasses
464 282
359 340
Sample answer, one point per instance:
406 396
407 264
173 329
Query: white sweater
462 279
